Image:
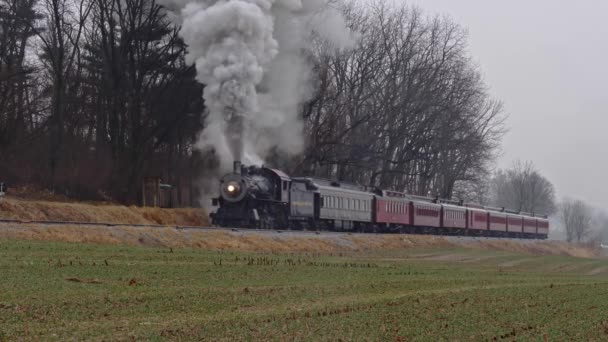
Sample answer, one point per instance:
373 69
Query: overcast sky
548 61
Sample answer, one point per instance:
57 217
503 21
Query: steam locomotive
265 198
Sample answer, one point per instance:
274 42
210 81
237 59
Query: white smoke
252 57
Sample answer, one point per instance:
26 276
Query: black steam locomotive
254 197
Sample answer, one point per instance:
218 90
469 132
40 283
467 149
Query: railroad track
138 225
243 230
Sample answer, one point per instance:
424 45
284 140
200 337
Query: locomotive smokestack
237 167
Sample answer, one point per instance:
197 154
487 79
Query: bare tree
18 21
523 188
576 216
61 49
406 109
476 190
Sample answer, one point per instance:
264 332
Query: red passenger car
498 222
453 217
477 219
426 214
542 226
514 223
393 210
529 225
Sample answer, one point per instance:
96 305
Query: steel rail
138 225
203 228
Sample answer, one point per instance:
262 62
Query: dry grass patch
253 241
106 213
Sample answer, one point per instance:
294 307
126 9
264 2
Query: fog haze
547 61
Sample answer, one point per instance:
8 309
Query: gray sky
548 61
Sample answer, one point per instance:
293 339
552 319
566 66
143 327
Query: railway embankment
282 242
123 232
42 210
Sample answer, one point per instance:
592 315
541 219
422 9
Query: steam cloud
251 55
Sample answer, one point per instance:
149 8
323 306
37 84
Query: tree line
95 95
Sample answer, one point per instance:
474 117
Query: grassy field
59 291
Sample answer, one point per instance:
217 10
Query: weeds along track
99 224
82 212
282 241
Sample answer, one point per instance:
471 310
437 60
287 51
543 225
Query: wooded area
95 95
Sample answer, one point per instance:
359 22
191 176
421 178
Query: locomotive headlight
232 189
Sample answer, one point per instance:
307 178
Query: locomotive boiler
252 197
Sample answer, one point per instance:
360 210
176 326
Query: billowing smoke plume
251 55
